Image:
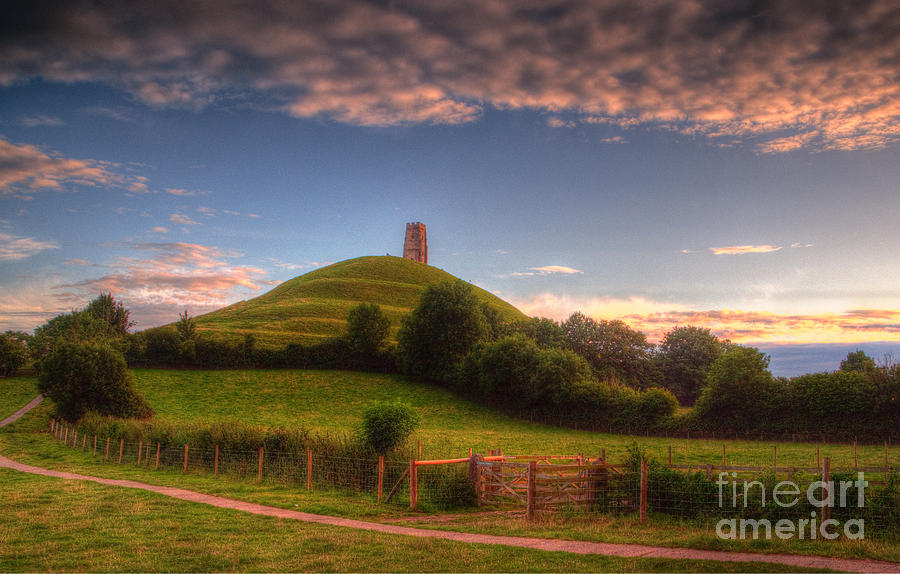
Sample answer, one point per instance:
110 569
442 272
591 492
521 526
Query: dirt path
18 414
575 547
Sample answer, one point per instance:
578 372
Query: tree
740 395
13 353
113 313
185 327
615 351
367 329
686 353
90 376
858 362
446 326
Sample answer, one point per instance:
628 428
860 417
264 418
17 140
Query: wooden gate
539 484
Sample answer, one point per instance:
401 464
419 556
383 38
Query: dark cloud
782 75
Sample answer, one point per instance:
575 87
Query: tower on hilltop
415 247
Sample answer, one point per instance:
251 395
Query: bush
13 354
90 376
387 426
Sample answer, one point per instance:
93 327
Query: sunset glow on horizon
734 166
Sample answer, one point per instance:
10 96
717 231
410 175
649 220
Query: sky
730 165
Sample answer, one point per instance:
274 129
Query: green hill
314 306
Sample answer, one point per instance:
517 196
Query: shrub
387 426
13 354
90 376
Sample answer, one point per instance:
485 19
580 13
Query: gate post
532 490
475 476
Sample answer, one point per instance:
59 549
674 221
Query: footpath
553 545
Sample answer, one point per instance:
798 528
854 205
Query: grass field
15 393
53 525
314 306
333 401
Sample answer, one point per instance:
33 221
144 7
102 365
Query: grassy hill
314 306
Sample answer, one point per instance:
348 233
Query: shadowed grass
55 525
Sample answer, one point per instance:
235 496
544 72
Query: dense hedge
743 398
557 386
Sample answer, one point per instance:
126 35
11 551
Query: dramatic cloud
656 318
168 279
13 248
743 249
25 169
780 75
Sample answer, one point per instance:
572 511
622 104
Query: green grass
22 442
54 525
333 401
15 393
314 306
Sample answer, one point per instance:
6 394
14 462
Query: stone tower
415 247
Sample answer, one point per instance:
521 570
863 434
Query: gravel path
18 414
572 546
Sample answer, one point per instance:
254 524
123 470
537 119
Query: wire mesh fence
730 489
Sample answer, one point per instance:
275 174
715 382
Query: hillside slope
314 306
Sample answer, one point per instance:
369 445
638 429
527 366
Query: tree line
580 372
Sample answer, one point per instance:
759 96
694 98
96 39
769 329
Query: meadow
332 402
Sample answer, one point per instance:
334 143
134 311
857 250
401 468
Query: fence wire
744 488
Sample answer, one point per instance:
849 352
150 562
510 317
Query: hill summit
314 306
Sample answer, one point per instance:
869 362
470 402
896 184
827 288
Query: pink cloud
172 277
26 168
14 248
781 79
744 249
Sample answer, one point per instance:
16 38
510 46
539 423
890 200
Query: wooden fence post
66 439
475 476
106 458
157 456
75 441
185 456
413 485
643 491
216 463
95 445
855 458
308 469
140 450
532 490
380 476
775 459
260 464
121 449
826 478
887 467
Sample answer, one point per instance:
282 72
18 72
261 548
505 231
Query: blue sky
732 166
